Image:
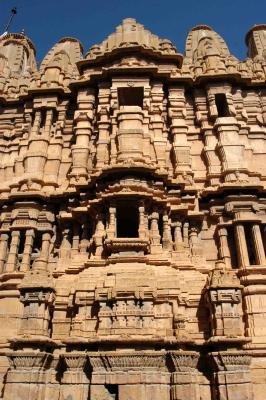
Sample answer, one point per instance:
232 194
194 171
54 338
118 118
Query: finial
13 12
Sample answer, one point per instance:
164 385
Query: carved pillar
241 246
155 237
11 263
210 145
75 239
99 234
40 264
231 151
75 384
210 140
104 124
36 123
150 377
223 296
178 239
258 244
3 250
130 134
195 243
179 129
142 222
54 152
37 305
224 251
157 123
232 378
185 234
48 122
155 234
83 129
184 380
26 378
167 237
29 239
46 238
84 243
36 156
111 232
65 247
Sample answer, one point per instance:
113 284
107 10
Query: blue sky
90 21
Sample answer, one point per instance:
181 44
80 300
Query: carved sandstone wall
133 219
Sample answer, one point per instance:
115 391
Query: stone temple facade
133 219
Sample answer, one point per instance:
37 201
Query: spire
13 12
130 34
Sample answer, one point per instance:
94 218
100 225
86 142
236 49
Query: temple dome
131 34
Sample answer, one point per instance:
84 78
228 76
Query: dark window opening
36 248
55 117
113 391
250 245
127 217
20 249
43 118
222 106
21 243
232 246
131 96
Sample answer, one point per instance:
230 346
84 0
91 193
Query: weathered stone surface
133 219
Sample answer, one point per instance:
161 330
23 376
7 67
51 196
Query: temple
133 218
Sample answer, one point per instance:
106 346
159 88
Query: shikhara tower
133 216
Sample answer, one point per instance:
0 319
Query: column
13 252
167 237
84 243
231 152
99 235
46 238
258 244
36 123
184 380
231 377
83 128
26 378
195 243
178 130
155 237
155 234
185 234
40 263
142 222
75 239
224 248
48 122
29 239
104 125
112 222
75 384
241 246
178 239
3 250
157 123
65 247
